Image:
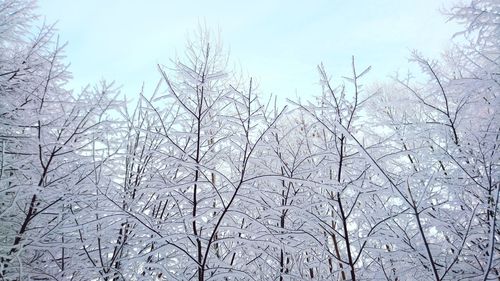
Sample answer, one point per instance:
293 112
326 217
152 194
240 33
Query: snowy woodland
206 178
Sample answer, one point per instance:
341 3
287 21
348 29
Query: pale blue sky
279 43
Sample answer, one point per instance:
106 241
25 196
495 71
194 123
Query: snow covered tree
45 133
188 161
444 157
349 190
201 180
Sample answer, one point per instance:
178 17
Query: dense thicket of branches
202 180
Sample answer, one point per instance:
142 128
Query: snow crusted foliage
203 180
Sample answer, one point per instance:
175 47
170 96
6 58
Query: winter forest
206 178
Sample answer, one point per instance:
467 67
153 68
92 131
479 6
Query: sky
278 43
